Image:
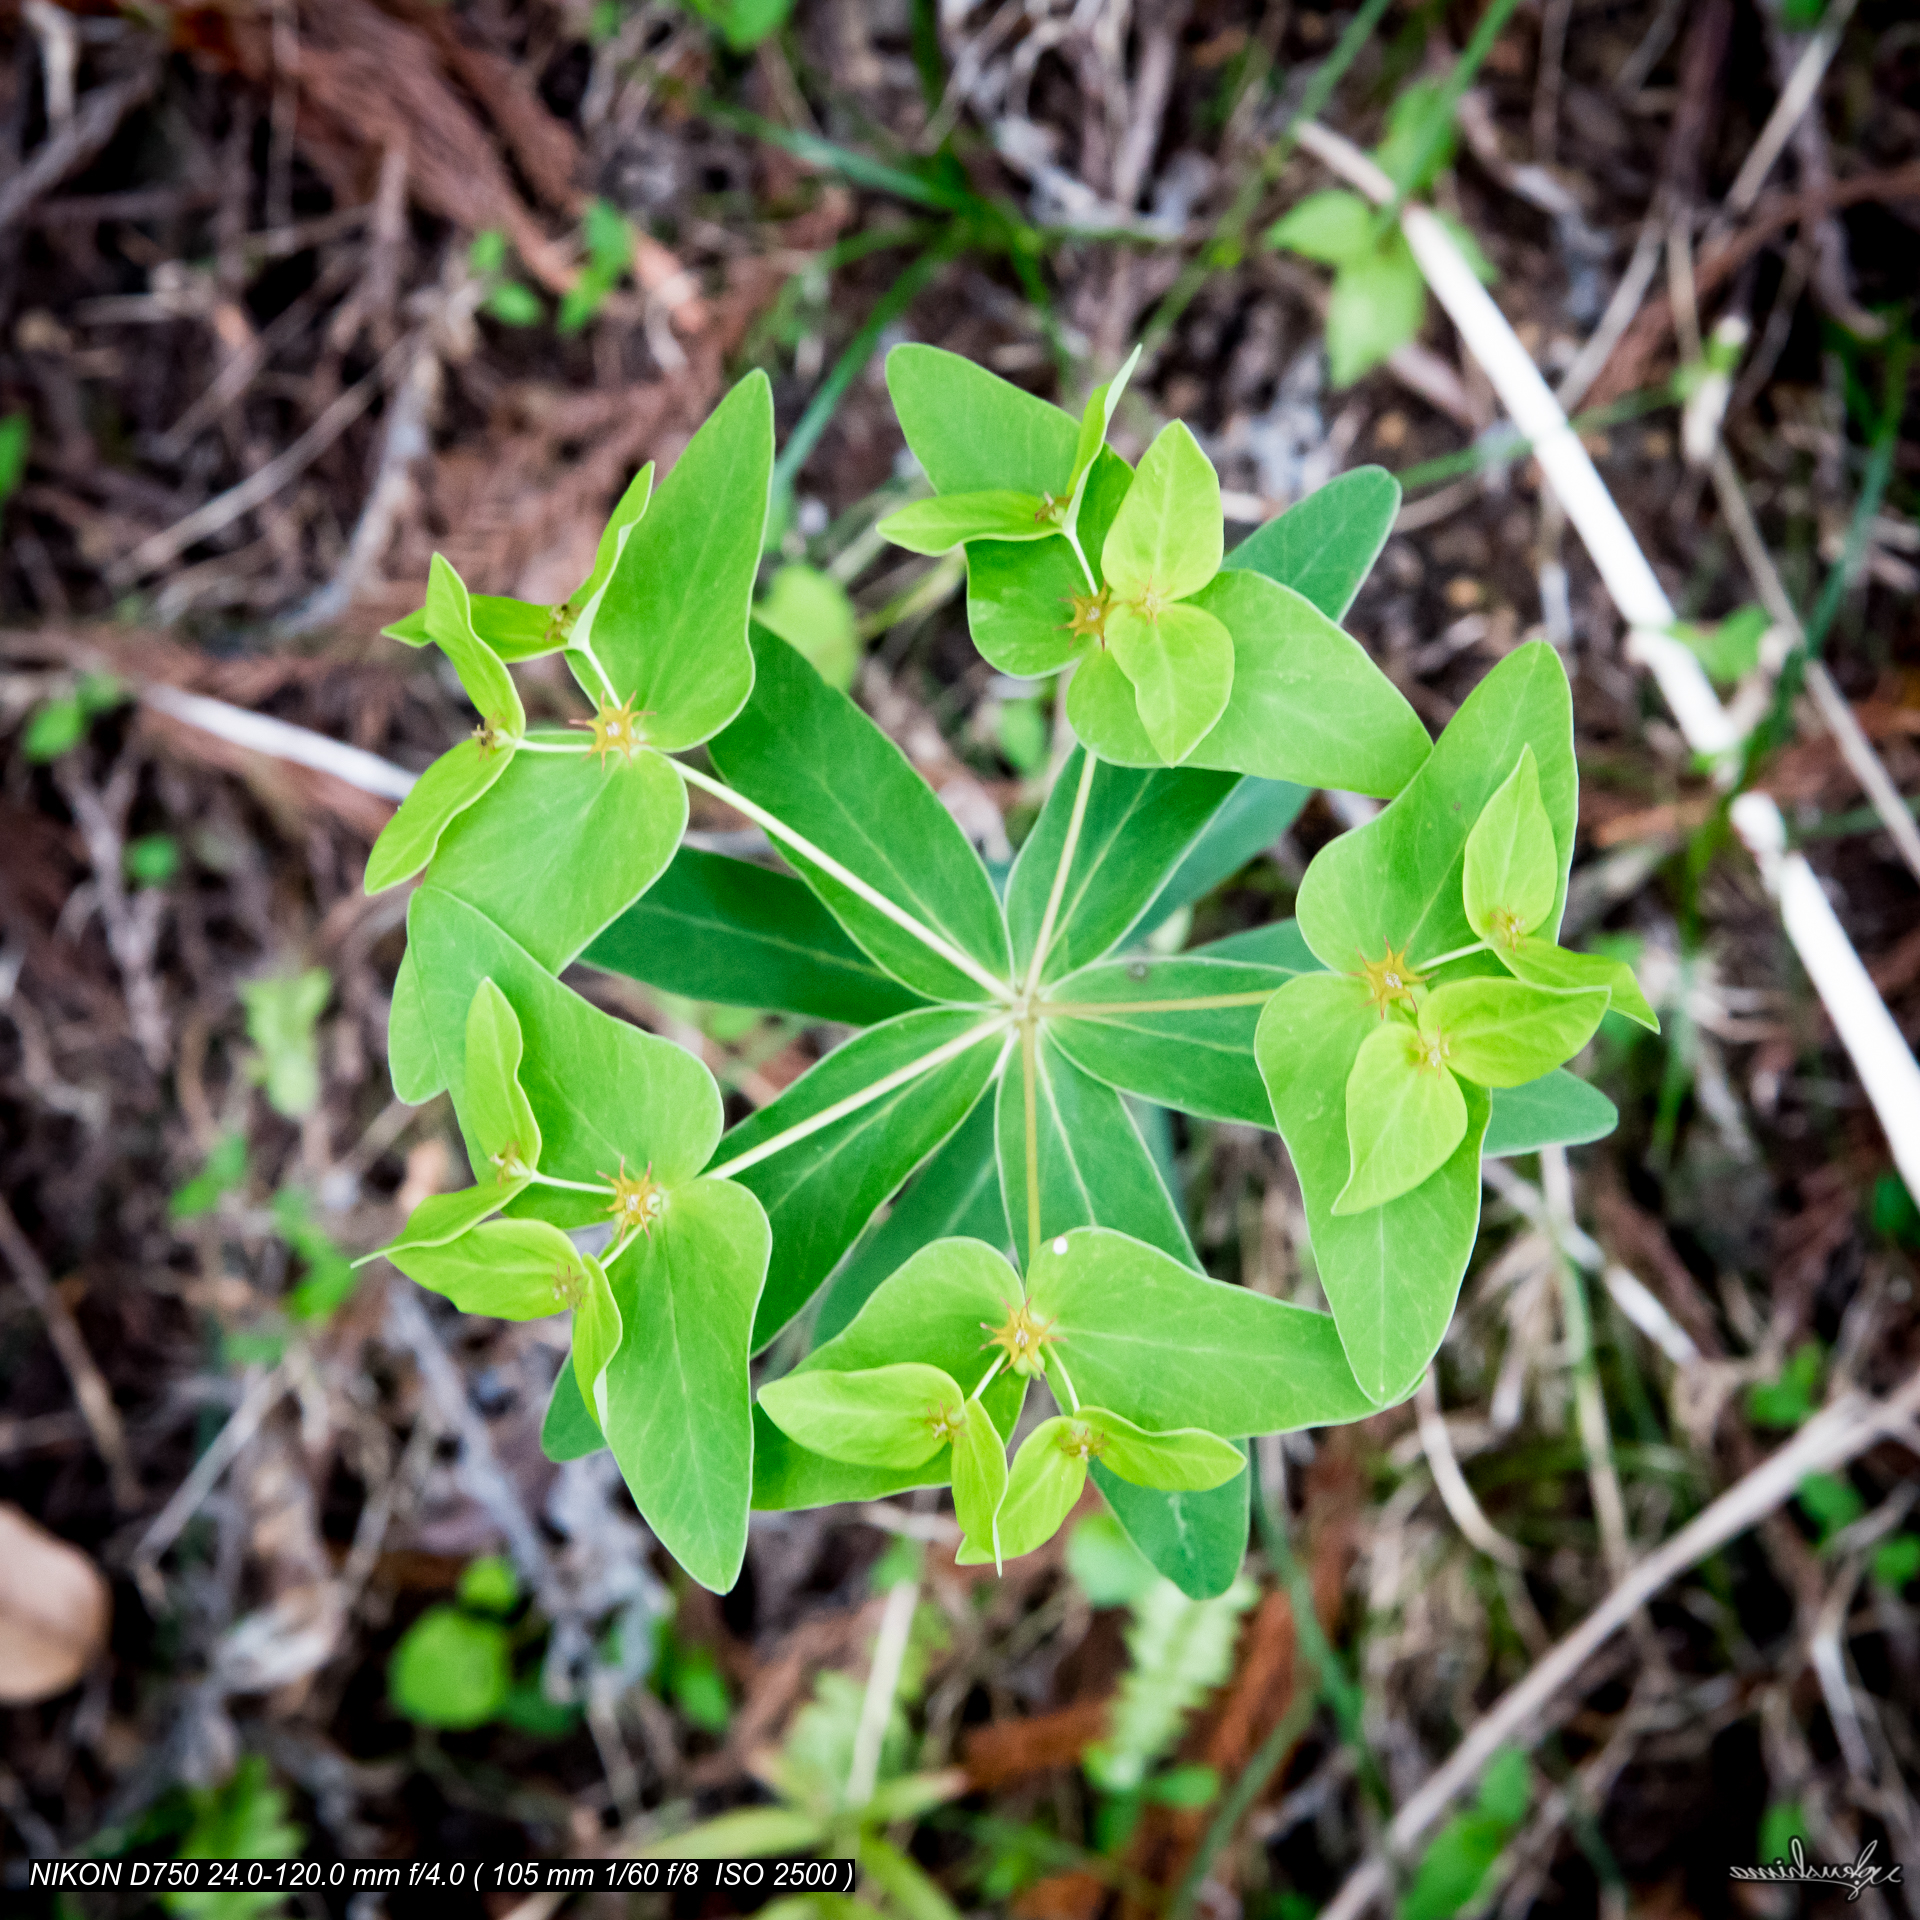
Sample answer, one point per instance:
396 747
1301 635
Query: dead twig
77 142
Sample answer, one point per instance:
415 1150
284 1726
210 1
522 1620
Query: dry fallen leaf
54 1610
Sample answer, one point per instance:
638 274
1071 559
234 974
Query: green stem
1441 959
1066 1380
524 745
987 1378
571 1186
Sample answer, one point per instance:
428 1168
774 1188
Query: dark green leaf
1557 1110
569 1431
1324 546
1251 819
1196 1540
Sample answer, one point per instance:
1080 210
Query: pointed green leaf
1376 306
411 1058
1048 1473
500 1121
1097 417
979 1474
1541 964
810 754
1278 944
1307 704
1556 1110
1405 1116
972 431
893 1416
1251 819
1094 1167
1134 830
569 1431
596 1340
1324 546
443 792
1144 1335
1391 1275
1503 1033
514 629
1166 537
679 1406
505 1269
1512 864
949 520
1331 227
627 512
751 1833
609 828
1196 1540
487 682
719 929
1181 666
671 627
1198 1060
1175 1460
444 1217
1398 881
1103 710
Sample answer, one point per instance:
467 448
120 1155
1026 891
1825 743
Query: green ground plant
958 1203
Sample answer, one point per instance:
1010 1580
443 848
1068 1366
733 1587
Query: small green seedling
956 1205
283 1012
1460 1856
507 300
609 243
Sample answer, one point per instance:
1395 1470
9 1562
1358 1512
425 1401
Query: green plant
1459 1857
453 1667
61 724
507 300
245 1818
1792 1399
608 239
1416 1016
743 24
283 1011
16 434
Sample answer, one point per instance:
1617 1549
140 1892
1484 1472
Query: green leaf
482 673
1094 1169
1097 416
1831 1502
1048 1473
1324 546
569 1431
283 1011
1181 665
979 1474
443 792
893 1416
505 1269
513 629
514 305
1196 1540
810 754
1176 1460
1458 1858
1198 1060
412 1060
1377 304
1405 1116
1730 650
151 859
1390 1275
597 1333
56 728
810 611
1166 537
822 1190
679 1407
1501 1033
1278 944
628 511
1107 1567
16 432
1541 964
450 1670
932 1310
1506 1788
751 1833
1307 704
1135 828
1420 136
1794 1396
1144 1335
670 630
500 1120
719 929
1251 819
609 828
1557 1110
1104 712
972 431
1332 228
1398 881
445 1217
1896 1561
1512 867
488 1585
957 1193
226 1169
949 520
1471 251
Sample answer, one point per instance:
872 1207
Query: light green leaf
1167 1347
569 1431
1135 828
411 1059
671 627
1198 1060
1307 704
442 1217
1166 538
752 1833
949 520
597 1333
1097 417
1196 1540
283 1011
1324 546
1502 1033
899 1415
810 611
1104 712
1094 1169
1176 1460
979 1474
1390 1275
1512 864
1405 1116
1556 1110
499 1118
1332 227
1181 665
810 754
487 682
626 513
449 1670
1251 819
505 1269
719 929
1541 964
513 629
443 792
972 431
1378 302
823 1189
679 1406
1471 251
1048 1473
1398 881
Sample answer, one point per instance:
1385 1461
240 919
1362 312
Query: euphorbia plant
958 1202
